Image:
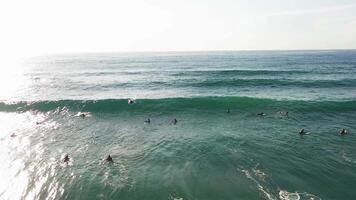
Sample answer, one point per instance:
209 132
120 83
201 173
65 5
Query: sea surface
219 149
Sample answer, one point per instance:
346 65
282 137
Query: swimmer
284 113
13 135
148 121
302 132
175 121
343 132
261 114
130 101
83 114
66 158
109 159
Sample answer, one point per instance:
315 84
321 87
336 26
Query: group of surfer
342 132
264 114
302 131
108 159
174 121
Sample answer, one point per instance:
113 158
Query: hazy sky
44 27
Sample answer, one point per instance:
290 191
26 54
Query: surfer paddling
302 132
343 132
174 121
109 159
131 101
66 159
261 114
284 113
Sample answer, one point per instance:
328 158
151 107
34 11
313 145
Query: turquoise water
208 154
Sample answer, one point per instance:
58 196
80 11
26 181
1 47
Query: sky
38 27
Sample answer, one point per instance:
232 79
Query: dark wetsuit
109 159
302 132
66 159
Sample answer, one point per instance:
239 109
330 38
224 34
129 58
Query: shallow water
208 154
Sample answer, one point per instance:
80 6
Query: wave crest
179 104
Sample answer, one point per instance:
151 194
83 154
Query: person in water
148 120
228 110
130 101
302 131
343 132
66 158
83 115
175 121
284 113
109 159
261 114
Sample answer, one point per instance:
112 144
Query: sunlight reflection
25 173
12 79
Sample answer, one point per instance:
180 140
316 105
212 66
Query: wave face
219 147
246 104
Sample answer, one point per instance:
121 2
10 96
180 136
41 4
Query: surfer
148 121
130 101
284 113
66 158
175 121
13 135
83 115
228 110
343 132
109 159
261 114
302 131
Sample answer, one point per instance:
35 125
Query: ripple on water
347 158
115 175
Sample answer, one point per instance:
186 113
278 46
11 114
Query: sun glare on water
23 175
12 80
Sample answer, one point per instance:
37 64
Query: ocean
222 146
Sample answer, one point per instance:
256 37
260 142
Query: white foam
285 195
264 191
258 177
174 198
259 174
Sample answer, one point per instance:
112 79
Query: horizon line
189 51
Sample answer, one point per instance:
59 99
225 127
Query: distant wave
276 82
180 104
220 83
